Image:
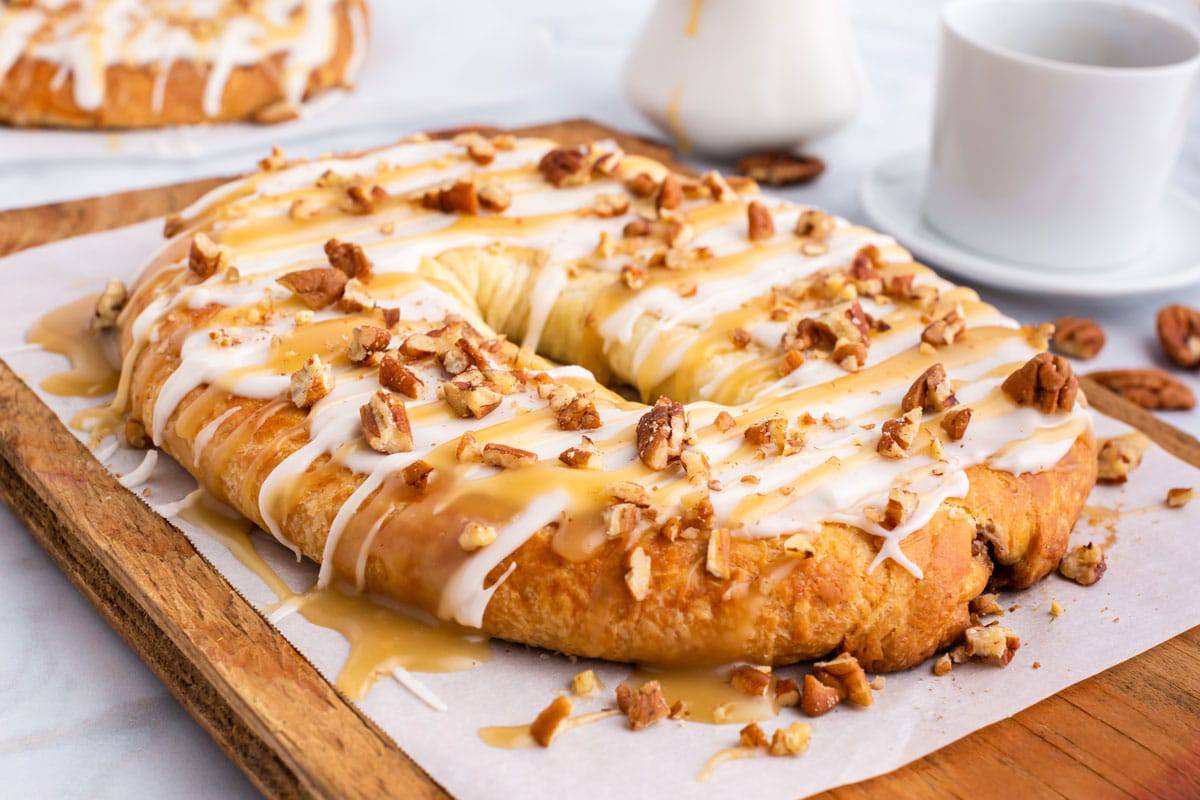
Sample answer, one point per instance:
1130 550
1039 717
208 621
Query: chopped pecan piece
311 382
317 287
109 305
418 346
790 741
661 433
607 206
361 199
725 422
630 492
955 423
1179 334
930 392
275 161
399 378
695 463
350 258
901 504
641 185
986 605
770 432
1078 337
565 166
777 168
670 195
1084 564
845 674
206 257
897 436
494 197
637 577
787 693
740 337
942 665
749 680
818 698
1179 496
355 298
460 198
475 536
480 149
1045 381
135 434
794 360
815 225
385 423
993 643
946 329
761 225
1120 456
579 414
418 474
507 457
621 519
546 724
468 396
718 188
633 276
582 456
644 707
718 560
1151 389
585 683
366 340
304 208
752 736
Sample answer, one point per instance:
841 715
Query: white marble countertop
81 716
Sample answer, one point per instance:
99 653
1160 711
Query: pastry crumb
1179 496
942 665
585 683
1056 610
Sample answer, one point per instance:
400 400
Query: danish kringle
141 63
851 450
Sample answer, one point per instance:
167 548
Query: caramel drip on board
66 331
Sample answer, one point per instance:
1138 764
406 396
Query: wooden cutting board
1131 731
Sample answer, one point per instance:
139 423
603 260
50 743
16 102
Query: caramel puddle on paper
511 737
382 639
1106 518
66 331
707 694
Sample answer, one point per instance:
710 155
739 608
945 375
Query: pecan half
317 287
1077 337
780 169
661 433
1179 334
1045 381
1085 564
931 391
1152 389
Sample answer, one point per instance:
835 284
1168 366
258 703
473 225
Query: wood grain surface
1133 731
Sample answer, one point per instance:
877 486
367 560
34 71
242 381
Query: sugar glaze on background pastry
772 547
130 63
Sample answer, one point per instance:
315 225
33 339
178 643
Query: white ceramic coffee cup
1057 125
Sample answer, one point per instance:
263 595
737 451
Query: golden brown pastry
121 64
851 450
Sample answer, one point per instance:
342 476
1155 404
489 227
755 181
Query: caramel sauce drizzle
66 331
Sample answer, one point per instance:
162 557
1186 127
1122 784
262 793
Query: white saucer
891 194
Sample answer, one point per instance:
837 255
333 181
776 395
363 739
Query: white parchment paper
1146 597
426 55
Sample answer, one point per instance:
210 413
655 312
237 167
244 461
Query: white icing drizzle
855 479
142 472
100 34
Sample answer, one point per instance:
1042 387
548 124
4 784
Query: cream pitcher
727 77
